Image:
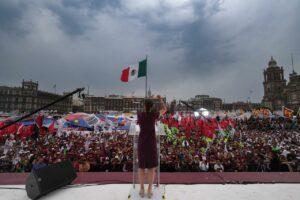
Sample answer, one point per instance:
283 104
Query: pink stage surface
170 178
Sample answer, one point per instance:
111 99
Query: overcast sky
214 47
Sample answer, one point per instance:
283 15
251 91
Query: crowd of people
258 145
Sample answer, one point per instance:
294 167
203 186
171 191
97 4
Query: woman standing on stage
147 150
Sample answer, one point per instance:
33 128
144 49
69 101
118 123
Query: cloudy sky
214 47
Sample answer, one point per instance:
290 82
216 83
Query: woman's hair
148 105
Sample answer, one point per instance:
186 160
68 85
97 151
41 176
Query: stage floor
172 192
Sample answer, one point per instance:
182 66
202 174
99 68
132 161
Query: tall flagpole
292 62
146 77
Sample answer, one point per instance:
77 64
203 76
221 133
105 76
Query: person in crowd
84 165
275 162
204 165
38 164
218 167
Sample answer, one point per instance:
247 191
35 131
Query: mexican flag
133 72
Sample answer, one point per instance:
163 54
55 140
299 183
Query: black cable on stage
103 182
11 188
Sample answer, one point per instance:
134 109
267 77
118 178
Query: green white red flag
133 72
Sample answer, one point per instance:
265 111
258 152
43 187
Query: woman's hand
163 108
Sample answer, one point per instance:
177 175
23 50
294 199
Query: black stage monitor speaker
47 179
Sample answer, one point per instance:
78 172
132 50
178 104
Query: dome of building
272 62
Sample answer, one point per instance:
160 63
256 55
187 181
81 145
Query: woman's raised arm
163 108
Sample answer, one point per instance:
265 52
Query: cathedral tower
274 85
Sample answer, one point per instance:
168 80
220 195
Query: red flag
176 124
183 121
192 124
224 124
2 132
22 132
39 121
2 124
207 130
164 121
29 130
12 129
42 131
199 123
214 124
125 74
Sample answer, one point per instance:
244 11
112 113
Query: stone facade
205 101
292 92
28 98
113 103
94 104
246 106
274 86
276 92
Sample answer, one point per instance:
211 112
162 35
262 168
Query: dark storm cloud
74 22
92 4
70 19
206 48
10 13
194 47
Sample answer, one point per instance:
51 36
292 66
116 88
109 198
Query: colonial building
77 105
292 91
28 98
133 103
274 86
246 106
276 92
94 104
205 101
113 103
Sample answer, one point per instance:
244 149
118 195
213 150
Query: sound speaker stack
42 181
